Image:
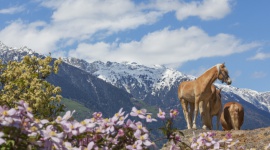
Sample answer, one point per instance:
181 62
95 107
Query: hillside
81 112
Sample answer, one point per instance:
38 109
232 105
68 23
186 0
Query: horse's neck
209 77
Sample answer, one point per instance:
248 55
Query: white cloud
12 10
19 34
260 56
206 9
76 22
258 74
169 47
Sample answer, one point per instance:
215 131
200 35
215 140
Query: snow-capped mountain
13 53
132 77
141 81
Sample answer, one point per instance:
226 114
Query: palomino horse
214 107
232 116
200 90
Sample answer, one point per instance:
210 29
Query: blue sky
190 36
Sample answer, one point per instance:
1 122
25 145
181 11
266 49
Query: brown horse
200 90
214 107
232 116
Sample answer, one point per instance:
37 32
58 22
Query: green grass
139 104
81 112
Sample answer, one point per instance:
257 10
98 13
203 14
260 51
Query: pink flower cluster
206 140
97 132
142 113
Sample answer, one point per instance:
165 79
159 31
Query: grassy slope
81 112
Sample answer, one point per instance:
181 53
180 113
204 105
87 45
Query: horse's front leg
195 112
184 104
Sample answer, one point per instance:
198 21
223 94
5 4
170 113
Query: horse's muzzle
229 81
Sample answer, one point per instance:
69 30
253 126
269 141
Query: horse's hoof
204 127
194 127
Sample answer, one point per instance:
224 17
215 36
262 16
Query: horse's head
223 74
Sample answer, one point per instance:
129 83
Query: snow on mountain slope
13 53
153 78
260 100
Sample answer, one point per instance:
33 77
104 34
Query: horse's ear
222 65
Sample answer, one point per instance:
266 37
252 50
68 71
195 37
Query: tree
25 80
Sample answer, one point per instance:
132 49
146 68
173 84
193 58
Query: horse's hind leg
206 116
191 112
184 104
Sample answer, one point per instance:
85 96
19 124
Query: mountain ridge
165 78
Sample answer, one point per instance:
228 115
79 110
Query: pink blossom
50 134
68 115
173 113
121 120
144 138
161 114
97 115
140 113
71 128
149 118
136 146
86 124
5 113
138 126
118 115
91 145
7 116
120 132
39 123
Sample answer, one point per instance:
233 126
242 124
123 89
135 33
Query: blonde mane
218 67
